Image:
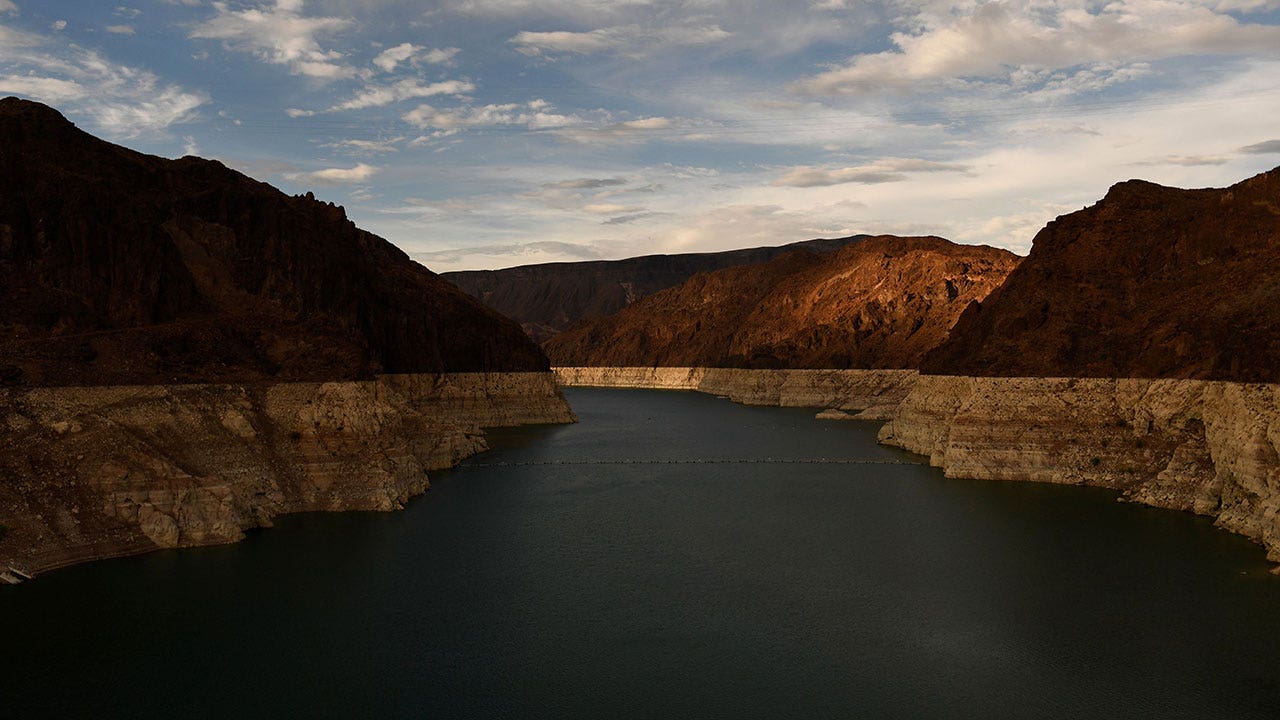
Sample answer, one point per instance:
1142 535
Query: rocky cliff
123 268
1151 282
95 472
872 393
551 297
880 303
1211 448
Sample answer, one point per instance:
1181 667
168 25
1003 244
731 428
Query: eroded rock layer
880 303
95 472
1211 448
871 392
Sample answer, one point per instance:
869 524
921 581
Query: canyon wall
1207 447
874 393
95 472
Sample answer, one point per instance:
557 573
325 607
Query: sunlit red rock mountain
1151 281
551 297
121 267
882 302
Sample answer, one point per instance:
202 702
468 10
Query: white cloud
882 171
59 25
535 115
120 29
367 147
618 132
391 57
631 40
7 6
408 89
123 101
280 35
996 40
335 176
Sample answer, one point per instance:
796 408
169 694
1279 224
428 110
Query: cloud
618 132
586 183
882 171
334 176
407 89
534 115
7 6
59 25
123 101
512 250
1186 160
367 147
1263 148
119 29
280 35
630 40
995 40
611 209
390 58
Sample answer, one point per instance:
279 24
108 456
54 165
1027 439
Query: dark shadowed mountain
548 298
119 267
1151 281
879 303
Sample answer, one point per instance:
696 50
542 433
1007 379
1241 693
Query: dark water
670 591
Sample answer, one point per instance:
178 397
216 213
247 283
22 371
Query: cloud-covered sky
490 133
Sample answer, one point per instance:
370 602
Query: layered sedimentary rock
880 303
124 268
1149 282
1211 448
93 472
873 393
551 297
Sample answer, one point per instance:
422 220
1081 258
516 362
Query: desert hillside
549 298
879 303
122 267
1151 281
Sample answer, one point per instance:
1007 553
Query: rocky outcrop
880 303
124 268
1150 282
94 472
549 298
871 392
1211 448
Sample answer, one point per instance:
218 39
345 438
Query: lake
673 555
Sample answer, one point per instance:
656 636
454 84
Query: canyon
1135 348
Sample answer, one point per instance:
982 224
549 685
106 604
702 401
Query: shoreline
111 471
1207 447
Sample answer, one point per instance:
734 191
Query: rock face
95 472
1211 448
551 297
880 303
871 392
1150 282
123 268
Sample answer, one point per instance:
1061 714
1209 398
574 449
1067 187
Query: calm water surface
671 590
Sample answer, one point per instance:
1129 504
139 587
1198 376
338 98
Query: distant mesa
124 268
1151 281
882 302
549 298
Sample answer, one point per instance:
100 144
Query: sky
489 133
